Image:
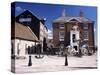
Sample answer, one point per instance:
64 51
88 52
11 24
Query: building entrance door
75 48
44 45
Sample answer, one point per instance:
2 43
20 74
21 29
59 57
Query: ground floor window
29 50
18 50
26 50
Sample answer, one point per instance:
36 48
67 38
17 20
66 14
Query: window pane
25 20
85 27
61 36
85 34
61 26
18 50
61 39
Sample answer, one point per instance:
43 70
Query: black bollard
66 61
80 53
30 61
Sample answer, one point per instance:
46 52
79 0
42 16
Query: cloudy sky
51 12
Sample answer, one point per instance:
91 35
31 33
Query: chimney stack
81 13
63 13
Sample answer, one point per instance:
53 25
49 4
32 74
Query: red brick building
64 24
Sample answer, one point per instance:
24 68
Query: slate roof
68 19
24 32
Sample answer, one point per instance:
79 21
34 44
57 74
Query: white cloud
50 34
18 9
49 31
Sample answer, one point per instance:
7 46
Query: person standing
39 49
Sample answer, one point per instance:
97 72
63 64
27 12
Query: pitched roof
24 32
68 19
64 18
28 12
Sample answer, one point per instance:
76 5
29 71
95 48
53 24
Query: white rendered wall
43 33
22 46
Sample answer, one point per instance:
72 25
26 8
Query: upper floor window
61 35
25 18
61 26
85 27
28 16
85 35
